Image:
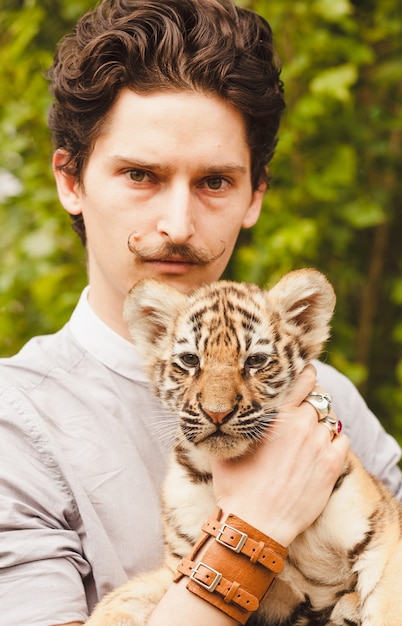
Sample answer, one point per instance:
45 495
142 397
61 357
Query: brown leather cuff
236 570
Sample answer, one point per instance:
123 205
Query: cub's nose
217 416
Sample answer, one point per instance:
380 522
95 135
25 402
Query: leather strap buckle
203 577
220 538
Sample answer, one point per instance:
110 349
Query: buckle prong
211 586
242 540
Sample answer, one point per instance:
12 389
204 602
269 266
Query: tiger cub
236 349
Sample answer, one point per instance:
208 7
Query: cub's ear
150 310
305 300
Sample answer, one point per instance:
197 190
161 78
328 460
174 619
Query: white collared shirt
104 344
82 455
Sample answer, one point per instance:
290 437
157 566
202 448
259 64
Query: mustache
168 251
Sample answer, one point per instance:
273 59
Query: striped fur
223 359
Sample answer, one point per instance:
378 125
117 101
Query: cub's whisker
164 429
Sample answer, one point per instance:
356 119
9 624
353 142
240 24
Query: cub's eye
191 360
257 360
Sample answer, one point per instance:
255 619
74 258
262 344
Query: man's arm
41 562
378 450
179 607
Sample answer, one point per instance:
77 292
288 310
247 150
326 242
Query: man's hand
283 485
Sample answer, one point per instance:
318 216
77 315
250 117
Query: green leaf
335 82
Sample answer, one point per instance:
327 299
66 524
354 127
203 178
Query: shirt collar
103 343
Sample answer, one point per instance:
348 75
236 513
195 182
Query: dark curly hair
210 46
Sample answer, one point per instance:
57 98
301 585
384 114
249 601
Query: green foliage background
334 201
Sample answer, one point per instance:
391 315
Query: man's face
170 175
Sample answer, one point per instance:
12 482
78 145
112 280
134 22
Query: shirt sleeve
378 451
42 565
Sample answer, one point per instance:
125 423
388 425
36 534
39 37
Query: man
164 119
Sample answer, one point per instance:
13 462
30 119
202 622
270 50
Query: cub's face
223 358
223 370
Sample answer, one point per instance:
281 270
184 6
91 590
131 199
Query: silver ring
321 402
333 425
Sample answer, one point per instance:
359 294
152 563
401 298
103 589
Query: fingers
305 390
304 384
321 403
341 444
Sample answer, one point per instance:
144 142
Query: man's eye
138 176
216 183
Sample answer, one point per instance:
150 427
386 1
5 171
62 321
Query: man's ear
253 212
69 190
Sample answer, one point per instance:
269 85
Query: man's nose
176 220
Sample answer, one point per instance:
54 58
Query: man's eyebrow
212 169
134 162
227 168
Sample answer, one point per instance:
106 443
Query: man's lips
171 259
171 266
